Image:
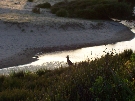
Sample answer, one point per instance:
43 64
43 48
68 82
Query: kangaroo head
67 57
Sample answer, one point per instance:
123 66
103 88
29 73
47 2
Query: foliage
36 10
41 72
62 13
110 78
19 74
44 5
95 9
30 0
54 10
128 1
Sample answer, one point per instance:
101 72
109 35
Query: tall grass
110 78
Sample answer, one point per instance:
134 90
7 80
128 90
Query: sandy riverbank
23 33
19 48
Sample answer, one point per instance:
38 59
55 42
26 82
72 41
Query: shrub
44 5
54 10
87 14
95 9
36 10
58 6
62 13
30 0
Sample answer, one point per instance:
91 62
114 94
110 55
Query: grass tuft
18 74
41 72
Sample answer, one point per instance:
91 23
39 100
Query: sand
23 33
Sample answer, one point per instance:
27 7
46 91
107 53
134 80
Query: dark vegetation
30 0
36 10
95 9
128 1
110 78
44 5
62 13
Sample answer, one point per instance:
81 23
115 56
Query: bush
62 13
95 9
58 6
44 5
30 0
86 14
120 10
54 10
36 10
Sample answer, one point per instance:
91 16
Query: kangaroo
68 61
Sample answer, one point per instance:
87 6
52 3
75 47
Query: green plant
62 13
132 57
95 9
54 10
15 95
44 5
18 74
30 0
41 72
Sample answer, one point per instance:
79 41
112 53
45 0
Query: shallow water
57 59
85 53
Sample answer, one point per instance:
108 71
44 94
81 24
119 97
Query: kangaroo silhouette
68 61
